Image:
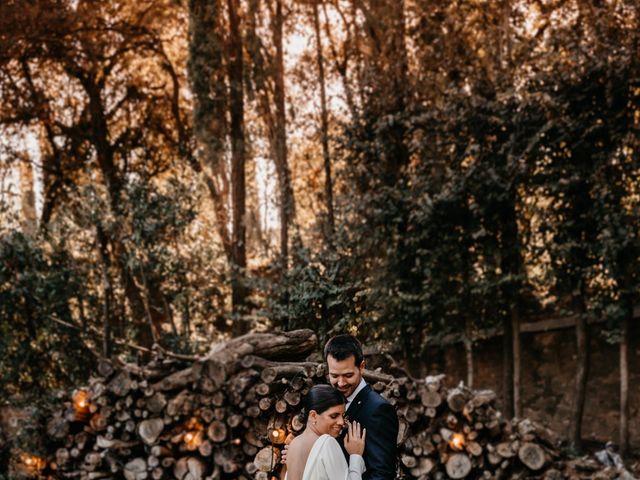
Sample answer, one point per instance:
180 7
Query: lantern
81 405
456 441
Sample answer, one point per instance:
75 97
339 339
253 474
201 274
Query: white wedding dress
326 462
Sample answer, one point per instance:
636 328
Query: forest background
179 172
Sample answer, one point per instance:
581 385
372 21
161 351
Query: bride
316 454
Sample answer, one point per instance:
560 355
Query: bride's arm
336 466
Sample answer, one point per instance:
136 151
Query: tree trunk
324 126
27 195
238 187
207 78
507 368
582 371
342 64
468 348
107 306
282 166
517 362
624 384
512 266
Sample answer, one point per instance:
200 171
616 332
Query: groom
343 354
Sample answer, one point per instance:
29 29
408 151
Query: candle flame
81 401
32 462
278 435
457 441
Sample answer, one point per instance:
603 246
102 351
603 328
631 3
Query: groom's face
345 375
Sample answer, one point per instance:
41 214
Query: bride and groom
351 430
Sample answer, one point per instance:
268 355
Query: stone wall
548 373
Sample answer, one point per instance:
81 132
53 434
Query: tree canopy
403 170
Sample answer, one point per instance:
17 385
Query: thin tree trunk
517 362
27 195
342 65
186 317
274 118
582 372
467 265
512 266
507 368
468 349
282 165
624 385
238 187
324 116
107 306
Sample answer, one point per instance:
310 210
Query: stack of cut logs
226 416
459 433
171 419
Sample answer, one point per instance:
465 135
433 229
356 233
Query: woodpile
227 416
459 433
171 420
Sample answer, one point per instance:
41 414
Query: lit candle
457 441
278 435
81 403
32 462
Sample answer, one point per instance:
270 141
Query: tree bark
582 371
107 305
507 368
512 266
324 127
207 77
517 362
238 187
27 195
468 348
342 64
282 165
624 384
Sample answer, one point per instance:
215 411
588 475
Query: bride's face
330 421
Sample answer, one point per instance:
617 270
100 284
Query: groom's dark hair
342 347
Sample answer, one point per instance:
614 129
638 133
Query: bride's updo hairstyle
321 398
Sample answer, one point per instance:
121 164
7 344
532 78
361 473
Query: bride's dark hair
321 398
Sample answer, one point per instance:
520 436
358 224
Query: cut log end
458 465
532 456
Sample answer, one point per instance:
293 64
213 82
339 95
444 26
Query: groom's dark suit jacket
379 417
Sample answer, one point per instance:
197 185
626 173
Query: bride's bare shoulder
301 443
297 455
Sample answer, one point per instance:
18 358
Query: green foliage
489 167
506 198
315 293
38 286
